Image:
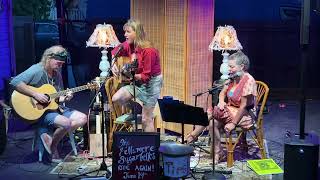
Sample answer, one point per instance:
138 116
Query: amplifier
301 157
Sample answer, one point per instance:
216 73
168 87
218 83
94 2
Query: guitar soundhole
41 106
48 97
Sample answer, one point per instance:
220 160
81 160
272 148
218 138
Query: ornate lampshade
225 39
104 37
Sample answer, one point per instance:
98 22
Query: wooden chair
119 115
256 131
117 122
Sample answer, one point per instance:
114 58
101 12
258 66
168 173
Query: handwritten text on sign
136 158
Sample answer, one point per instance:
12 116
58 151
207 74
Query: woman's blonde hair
141 40
48 53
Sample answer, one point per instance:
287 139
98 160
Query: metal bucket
176 159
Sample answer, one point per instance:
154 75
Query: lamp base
213 176
224 67
104 64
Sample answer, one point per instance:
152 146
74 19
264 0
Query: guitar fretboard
73 90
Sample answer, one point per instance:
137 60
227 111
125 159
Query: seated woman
236 99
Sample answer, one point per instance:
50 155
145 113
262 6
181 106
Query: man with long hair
47 71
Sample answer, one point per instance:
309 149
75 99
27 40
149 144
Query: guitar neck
73 90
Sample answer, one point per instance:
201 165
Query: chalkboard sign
135 155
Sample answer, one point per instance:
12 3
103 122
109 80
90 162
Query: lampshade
103 36
225 39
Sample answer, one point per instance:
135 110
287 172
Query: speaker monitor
301 161
315 5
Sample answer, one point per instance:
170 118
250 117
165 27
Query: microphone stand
214 174
134 111
100 108
195 104
103 165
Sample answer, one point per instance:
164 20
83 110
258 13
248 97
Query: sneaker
46 141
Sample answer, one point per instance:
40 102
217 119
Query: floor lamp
104 37
224 39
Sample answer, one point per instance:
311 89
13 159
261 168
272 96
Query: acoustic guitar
125 66
121 64
31 110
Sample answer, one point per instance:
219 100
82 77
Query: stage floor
200 162
19 162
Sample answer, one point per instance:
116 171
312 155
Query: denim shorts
148 93
49 117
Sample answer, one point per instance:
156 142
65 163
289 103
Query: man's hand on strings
67 97
42 98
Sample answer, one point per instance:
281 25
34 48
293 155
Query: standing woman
148 71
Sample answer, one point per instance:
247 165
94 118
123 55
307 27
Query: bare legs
122 96
64 125
217 139
193 136
213 134
147 119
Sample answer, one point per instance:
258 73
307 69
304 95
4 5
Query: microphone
232 76
135 63
117 53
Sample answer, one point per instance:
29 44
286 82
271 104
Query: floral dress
246 86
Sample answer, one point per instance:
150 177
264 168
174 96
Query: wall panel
182 31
